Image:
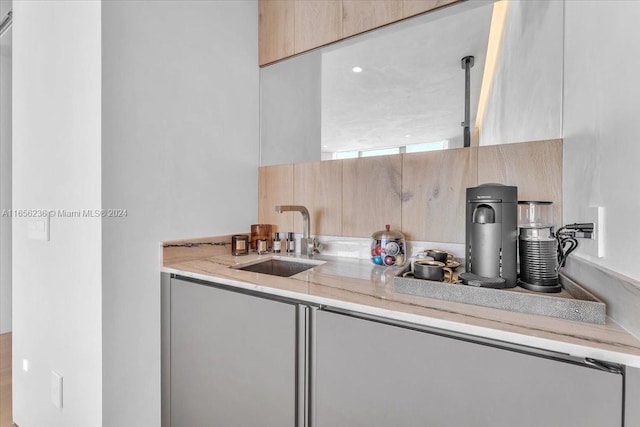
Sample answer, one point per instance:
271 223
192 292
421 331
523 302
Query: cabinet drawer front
374 374
233 358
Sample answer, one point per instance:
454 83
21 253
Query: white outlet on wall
595 246
25 365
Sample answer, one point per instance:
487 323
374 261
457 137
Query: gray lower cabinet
378 375
235 359
232 358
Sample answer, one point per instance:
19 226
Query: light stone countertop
359 286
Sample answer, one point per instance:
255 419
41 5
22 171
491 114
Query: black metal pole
467 63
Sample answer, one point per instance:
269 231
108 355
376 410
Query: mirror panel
411 87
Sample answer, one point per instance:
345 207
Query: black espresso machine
491 236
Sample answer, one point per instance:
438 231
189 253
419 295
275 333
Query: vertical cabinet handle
311 407
301 365
305 365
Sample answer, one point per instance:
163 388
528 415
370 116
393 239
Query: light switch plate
56 389
38 229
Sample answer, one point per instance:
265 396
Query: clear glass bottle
291 242
277 243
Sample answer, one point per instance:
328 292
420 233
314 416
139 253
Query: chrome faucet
307 245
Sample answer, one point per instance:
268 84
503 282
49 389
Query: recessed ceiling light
356 69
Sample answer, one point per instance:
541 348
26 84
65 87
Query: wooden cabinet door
317 22
233 358
377 375
360 16
275 30
416 7
288 27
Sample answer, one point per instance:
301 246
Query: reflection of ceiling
411 88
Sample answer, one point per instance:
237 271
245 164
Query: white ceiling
411 89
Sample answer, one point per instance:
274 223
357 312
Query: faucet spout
306 243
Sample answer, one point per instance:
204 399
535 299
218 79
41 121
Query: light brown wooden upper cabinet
289 27
275 30
318 22
415 7
359 16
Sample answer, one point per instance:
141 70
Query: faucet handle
310 246
316 245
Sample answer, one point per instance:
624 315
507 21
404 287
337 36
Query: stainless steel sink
277 266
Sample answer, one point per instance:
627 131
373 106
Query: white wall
5 173
180 153
56 165
601 133
525 100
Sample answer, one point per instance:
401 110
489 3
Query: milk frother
537 247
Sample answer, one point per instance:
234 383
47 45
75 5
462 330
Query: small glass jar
239 244
388 248
262 246
260 231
